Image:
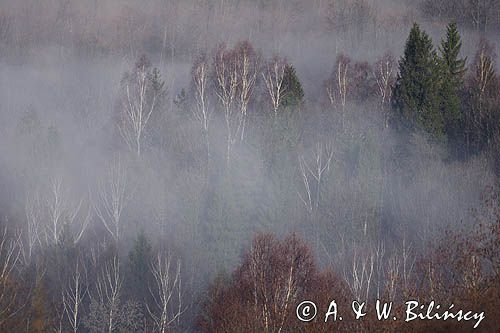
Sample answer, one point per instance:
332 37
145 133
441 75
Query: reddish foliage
263 293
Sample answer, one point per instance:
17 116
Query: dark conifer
416 93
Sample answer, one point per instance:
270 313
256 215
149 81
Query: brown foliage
275 276
263 293
482 99
464 269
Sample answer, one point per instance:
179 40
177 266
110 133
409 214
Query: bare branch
166 311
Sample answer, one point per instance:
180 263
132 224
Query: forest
209 165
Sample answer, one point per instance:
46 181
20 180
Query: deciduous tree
141 90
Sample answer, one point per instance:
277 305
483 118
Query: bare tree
33 211
10 259
63 212
477 14
248 67
337 86
482 84
392 276
399 271
407 266
383 72
107 295
276 275
140 97
273 278
96 251
226 83
359 275
73 296
107 311
167 294
485 72
342 68
57 205
481 12
83 222
112 196
273 74
199 75
380 267
312 173
235 76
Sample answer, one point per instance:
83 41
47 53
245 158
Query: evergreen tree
139 258
416 95
158 92
293 92
452 80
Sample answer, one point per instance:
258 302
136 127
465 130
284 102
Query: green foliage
139 259
157 93
450 51
158 90
452 80
416 93
293 92
157 83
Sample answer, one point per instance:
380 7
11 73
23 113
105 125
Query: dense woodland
205 166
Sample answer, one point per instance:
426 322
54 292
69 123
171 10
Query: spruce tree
139 259
157 91
452 79
416 95
293 92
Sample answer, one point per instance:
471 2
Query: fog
61 93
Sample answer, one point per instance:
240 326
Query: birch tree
236 73
485 73
226 83
63 213
33 211
73 296
312 171
167 293
112 196
359 276
248 67
481 12
105 300
337 85
383 71
483 91
199 77
140 95
265 289
273 75
10 259
108 313
57 205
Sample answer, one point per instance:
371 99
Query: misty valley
249 166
